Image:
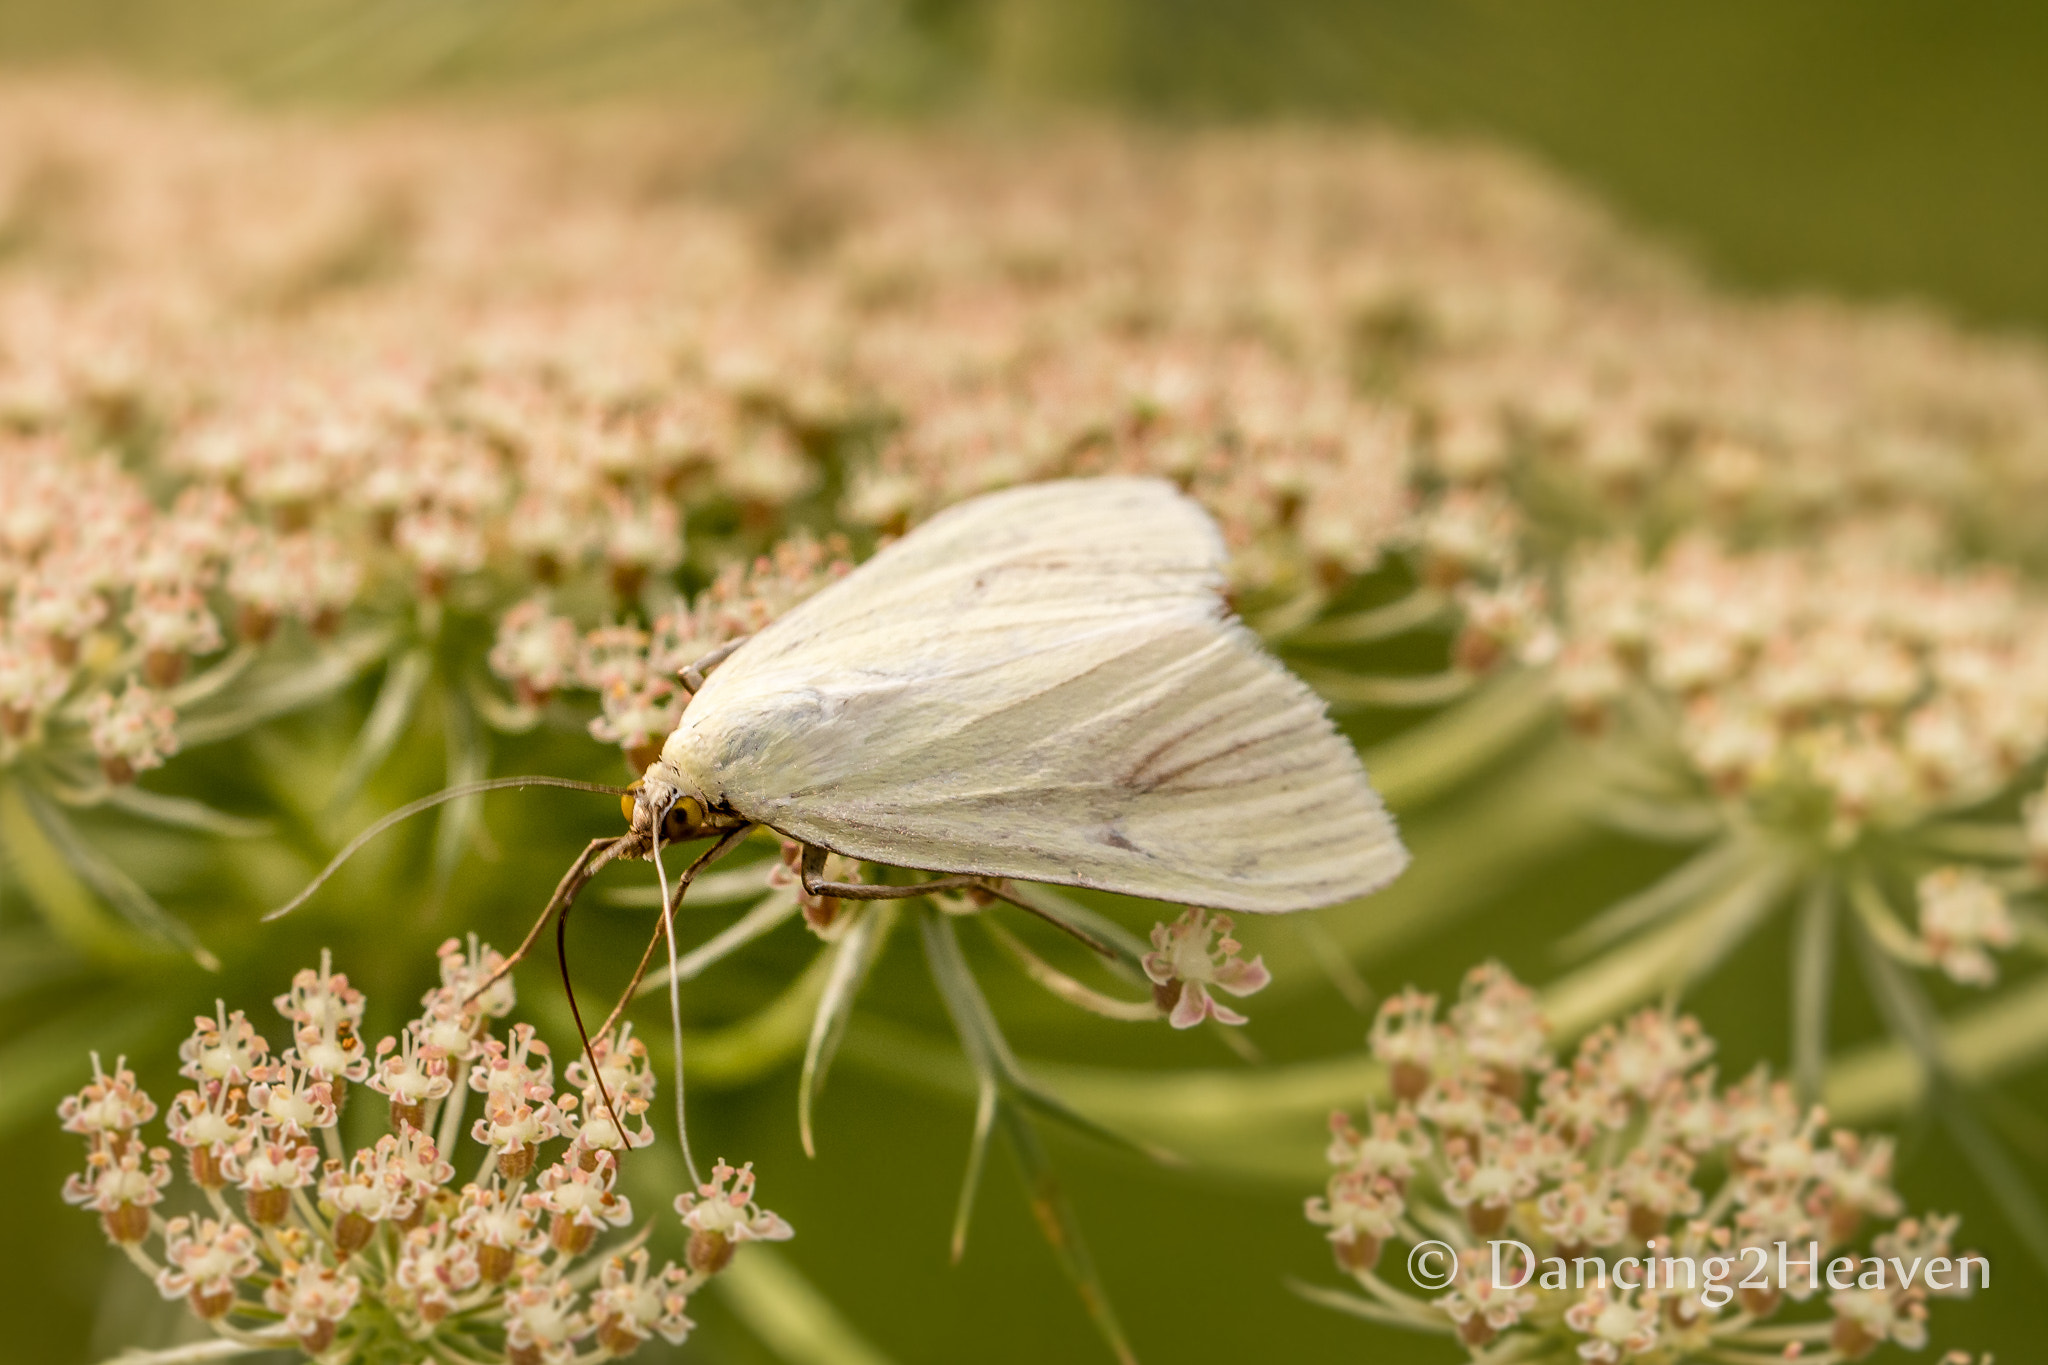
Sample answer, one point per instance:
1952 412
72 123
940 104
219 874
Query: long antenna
406 812
665 930
675 1000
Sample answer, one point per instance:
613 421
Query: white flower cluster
1631 1148
330 1247
1832 683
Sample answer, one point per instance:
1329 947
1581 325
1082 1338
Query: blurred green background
1879 149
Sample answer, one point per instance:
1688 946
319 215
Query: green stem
1394 691
1813 975
788 1314
1422 607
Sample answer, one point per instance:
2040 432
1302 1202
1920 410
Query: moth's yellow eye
686 815
630 799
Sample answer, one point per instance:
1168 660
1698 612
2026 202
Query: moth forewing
1043 684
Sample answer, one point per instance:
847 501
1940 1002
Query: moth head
656 801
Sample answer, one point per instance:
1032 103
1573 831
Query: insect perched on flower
1043 685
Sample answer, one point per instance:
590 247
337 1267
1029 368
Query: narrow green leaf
194 1354
1813 976
775 907
942 955
997 1071
197 689
1690 882
469 758
743 883
1360 1307
1032 1095
989 1051
1087 922
389 716
1443 752
986 1099
275 693
852 957
787 1312
66 903
182 812
1264 1125
986 1050
1341 689
112 884
1335 964
1912 1018
1422 607
1060 1227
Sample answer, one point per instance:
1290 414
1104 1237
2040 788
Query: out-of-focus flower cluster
110 598
608 391
634 671
290 1239
1621 1204
1842 686
543 371
1860 711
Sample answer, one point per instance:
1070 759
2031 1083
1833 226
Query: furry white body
1042 684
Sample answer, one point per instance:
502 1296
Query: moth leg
602 849
814 883
693 675
1094 944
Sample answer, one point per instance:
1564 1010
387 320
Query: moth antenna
675 1001
406 812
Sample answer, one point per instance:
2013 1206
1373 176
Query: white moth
1042 684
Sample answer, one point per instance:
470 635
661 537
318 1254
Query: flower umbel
334 1251
1629 1155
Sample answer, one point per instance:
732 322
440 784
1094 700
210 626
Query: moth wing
1044 684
